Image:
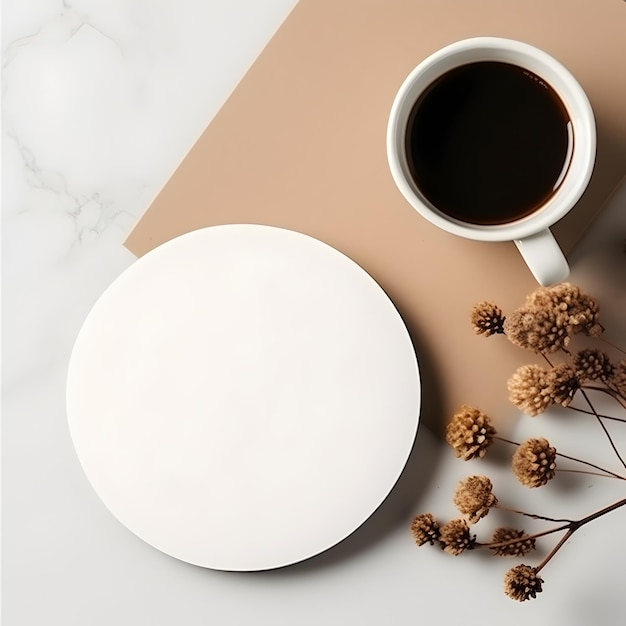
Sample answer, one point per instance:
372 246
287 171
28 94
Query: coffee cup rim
519 53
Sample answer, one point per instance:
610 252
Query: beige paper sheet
301 144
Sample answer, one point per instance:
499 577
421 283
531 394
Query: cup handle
544 257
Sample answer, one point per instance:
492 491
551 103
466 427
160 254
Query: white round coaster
243 397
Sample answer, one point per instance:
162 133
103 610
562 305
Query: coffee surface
488 142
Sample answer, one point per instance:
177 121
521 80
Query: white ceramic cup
531 234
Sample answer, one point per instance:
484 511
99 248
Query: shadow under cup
493 139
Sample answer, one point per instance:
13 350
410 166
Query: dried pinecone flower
522 583
455 538
470 433
582 310
473 497
517 543
425 529
487 319
550 316
593 364
536 329
534 462
563 383
529 389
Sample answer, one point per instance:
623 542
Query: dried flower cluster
533 388
487 319
470 433
511 542
473 497
547 320
455 538
528 389
522 582
592 365
546 325
534 462
563 383
425 529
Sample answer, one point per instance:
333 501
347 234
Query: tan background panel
301 144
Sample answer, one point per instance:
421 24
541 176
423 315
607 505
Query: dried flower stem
588 464
504 440
541 517
570 525
573 471
604 428
605 417
618 397
571 458
554 550
502 544
573 526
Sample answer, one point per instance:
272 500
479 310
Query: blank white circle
243 397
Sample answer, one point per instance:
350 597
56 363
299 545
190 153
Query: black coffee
488 142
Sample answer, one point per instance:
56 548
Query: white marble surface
101 100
